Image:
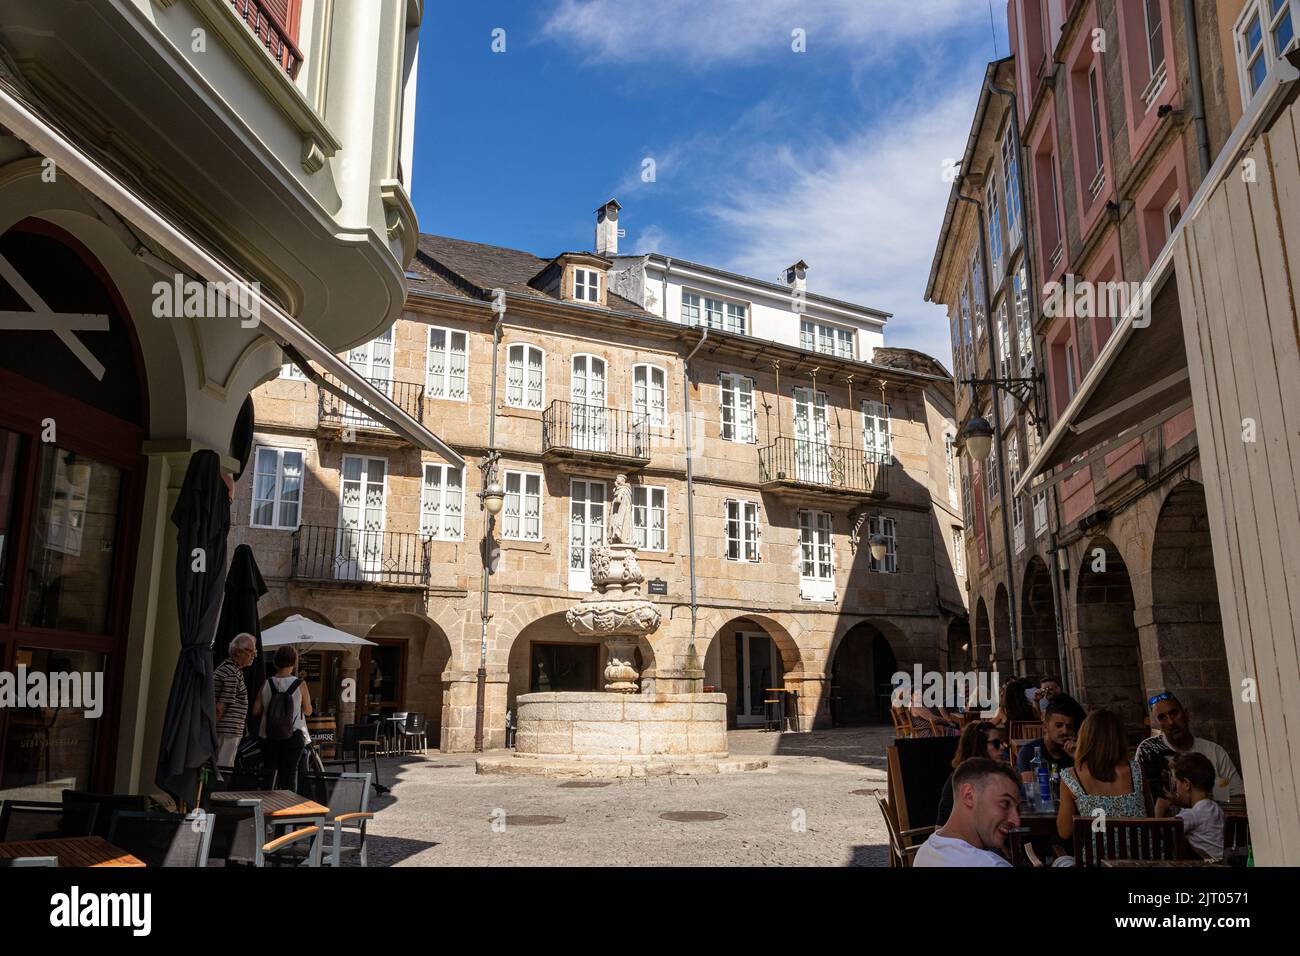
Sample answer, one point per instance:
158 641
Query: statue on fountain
615 611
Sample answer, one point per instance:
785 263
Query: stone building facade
796 458
1111 579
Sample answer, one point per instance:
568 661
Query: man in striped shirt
232 697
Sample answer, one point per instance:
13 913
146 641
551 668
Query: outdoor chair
361 742
1024 729
902 722
36 820
1131 838
414 731
77 803
903 844
239 838
246 778
1236 832
348 797
163 839
30 861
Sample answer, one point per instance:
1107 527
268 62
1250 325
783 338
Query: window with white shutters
521 513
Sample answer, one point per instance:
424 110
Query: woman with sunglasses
978 739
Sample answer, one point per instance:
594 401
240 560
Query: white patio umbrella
307 635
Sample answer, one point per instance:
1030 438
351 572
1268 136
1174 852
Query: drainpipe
1040 363
1197 89
480 699
668 267
692 660
997 426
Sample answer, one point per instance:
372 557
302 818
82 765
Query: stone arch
1038 620
982 649
1182 637
425 654
861 667
1110 654
279 614
1002 653
723 668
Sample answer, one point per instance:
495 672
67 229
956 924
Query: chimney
607 230
796 276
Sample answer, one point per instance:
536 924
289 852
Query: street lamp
979 437
879 547
493 497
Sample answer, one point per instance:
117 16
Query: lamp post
490 499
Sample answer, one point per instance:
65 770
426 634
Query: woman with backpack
283 704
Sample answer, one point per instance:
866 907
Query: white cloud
704 32
865 213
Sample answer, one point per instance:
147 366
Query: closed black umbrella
244 588
202 519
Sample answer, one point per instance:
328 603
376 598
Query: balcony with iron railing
345 556
593 435
271 32
818 471
335 416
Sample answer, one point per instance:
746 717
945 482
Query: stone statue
620 530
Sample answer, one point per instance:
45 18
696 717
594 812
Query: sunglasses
1158 698
999 744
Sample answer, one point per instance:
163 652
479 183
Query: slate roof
474 269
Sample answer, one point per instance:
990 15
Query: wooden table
1034 825
278 806
1134 863
71 851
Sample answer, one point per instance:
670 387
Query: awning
1140 378
42 135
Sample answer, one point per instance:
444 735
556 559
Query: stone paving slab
800 811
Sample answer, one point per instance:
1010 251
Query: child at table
1193 792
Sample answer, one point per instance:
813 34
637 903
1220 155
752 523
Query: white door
374 362
816 564
757 671
359 547
586 529
587 390
811 437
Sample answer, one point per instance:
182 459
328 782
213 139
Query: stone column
348 702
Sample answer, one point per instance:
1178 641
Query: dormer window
586 285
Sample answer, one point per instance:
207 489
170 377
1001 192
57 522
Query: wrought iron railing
334 412
594 429
272 33
800 461
340 554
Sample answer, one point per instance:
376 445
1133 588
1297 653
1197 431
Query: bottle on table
1043 777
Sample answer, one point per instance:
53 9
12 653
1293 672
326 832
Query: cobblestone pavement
801 811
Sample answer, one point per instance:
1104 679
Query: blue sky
762 155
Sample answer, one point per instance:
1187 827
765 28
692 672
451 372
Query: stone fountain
620 731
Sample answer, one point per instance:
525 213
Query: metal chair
1128 838
359 742
397 725
38 820
29 861
348 797
163 839
239 838
79 803
250 778
414 731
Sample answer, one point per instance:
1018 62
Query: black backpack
280 711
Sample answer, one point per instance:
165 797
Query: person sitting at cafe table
1056 744
1043 695
1102 776
986 807
922 717
1175 737
1190 800
979 738
1013 705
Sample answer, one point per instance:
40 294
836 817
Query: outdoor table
1134 863
1035 824
279 807
71 851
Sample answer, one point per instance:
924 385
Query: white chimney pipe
607 229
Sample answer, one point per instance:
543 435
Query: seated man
1056 744
1175 737
1193 776
985 808
1044 693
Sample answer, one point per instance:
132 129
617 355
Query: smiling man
986 807
1174 738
